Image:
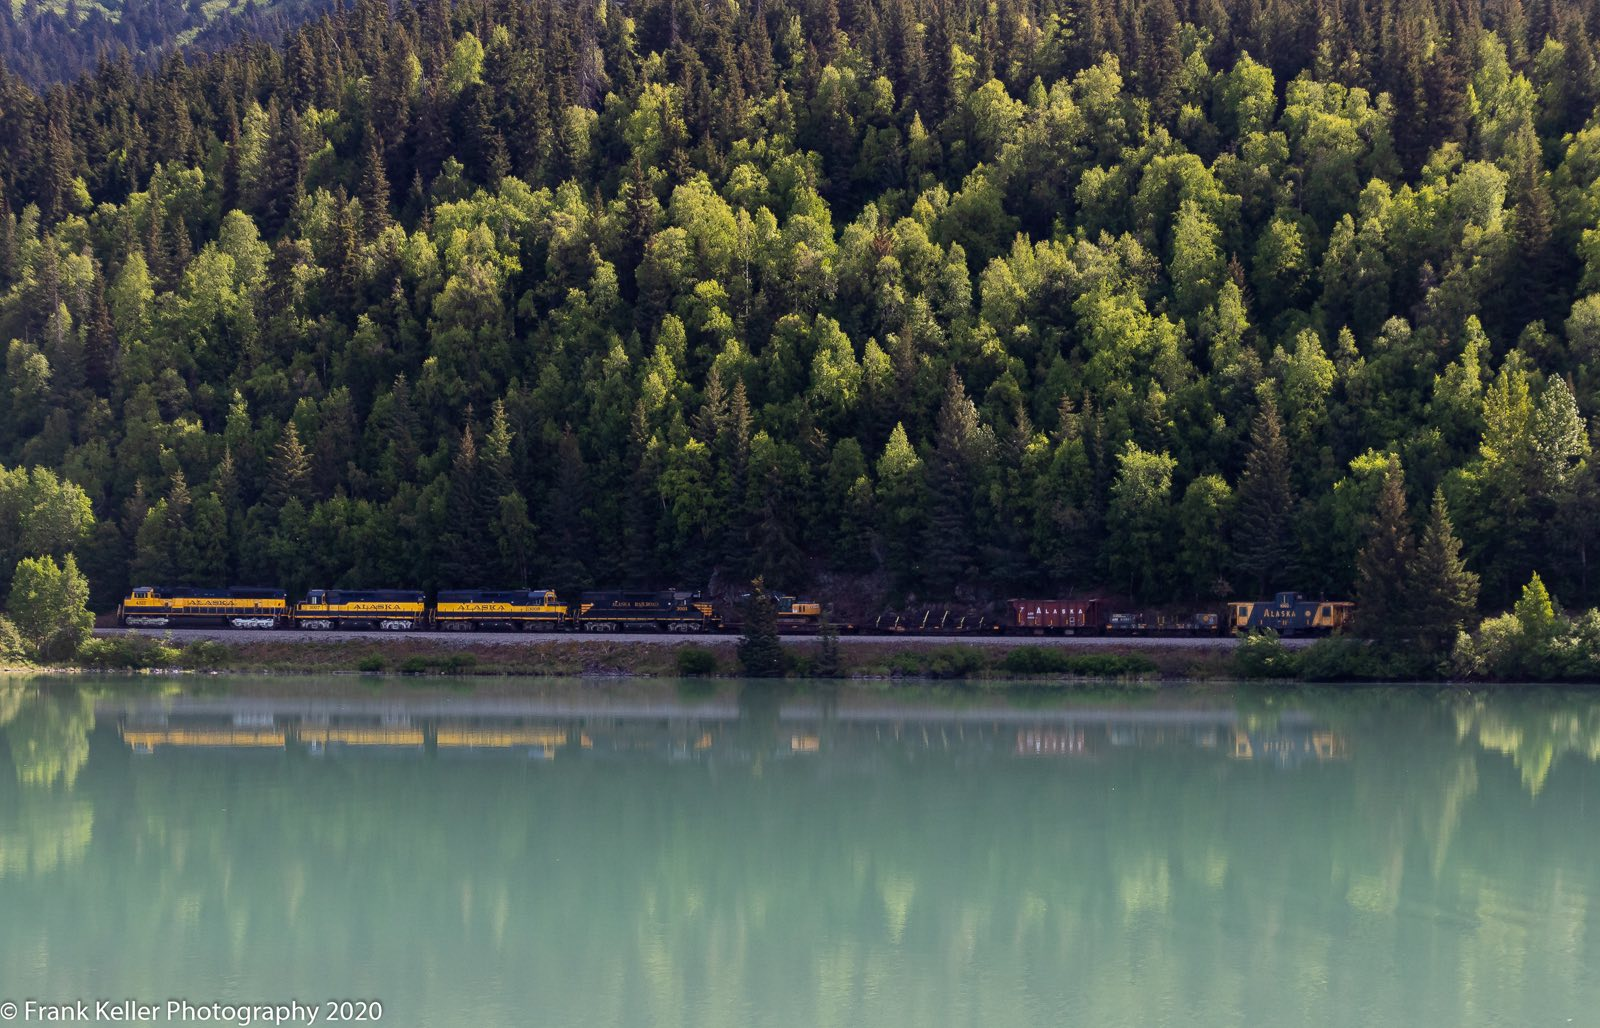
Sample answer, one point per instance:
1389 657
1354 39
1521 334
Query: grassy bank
804 659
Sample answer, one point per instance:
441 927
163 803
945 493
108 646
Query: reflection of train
684 611
715 730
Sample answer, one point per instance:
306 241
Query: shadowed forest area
47 41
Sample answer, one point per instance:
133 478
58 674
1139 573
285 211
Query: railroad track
292 635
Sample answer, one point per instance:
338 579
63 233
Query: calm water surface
1365 859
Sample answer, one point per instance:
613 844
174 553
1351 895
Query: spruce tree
284 178
827 664
8 242
100 339
464 547
1265 501
374 190
1445 593
1383 568
289 473
948 554
760 651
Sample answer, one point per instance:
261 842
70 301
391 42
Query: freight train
541 610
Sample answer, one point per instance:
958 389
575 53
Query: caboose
1288 614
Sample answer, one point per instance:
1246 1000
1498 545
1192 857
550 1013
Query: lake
567 855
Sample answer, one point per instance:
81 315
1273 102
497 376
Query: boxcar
240 606
516 609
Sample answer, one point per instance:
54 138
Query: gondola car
391 610
149 606
511 609
665 611
1289 614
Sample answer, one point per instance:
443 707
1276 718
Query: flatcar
795 616
664 611
391 610
1145 623
1290 614
524 610
149 606
935 621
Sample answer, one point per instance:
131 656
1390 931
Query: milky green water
788 861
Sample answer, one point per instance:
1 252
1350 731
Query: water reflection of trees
47 737
1534 732
1422 876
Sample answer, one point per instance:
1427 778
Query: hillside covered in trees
47 41
963 299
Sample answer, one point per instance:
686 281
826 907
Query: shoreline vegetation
809 659
1557 659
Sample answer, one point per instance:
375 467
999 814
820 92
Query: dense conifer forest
927 297
47 41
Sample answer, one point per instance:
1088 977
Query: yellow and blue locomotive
150 606
664 611
511 609
392 610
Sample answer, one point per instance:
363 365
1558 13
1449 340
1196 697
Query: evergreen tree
948 556
374 192
760 650
289 471
283 179
827 663
462 548
565 520
1385 597
901 499
1265 503
1444 592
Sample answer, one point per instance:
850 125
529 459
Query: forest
902 299
46 41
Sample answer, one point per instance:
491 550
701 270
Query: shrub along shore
1501 653
810 658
